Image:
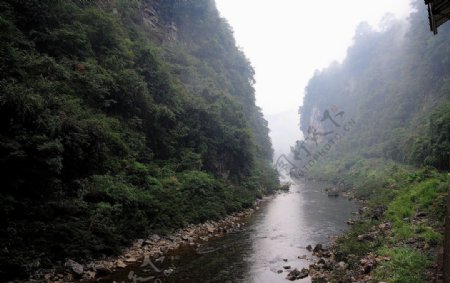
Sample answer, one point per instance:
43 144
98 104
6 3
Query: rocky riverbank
154 247
339 263
332 266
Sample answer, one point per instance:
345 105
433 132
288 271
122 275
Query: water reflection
288 224
275 244
275 237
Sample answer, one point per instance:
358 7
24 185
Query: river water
272 238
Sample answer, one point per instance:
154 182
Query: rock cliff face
152 20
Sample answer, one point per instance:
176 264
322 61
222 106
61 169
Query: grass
404 192
426 197
406 265
349 244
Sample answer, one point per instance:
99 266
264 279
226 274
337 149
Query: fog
288 41
285 130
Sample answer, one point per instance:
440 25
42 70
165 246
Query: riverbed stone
131 259
138 243
168 272
318 248
365 237
297 274
378 212
155 245
385 226
68 278
155 238
74 267
89 275
121 264
102 270
342 265
421 214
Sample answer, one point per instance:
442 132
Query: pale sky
287 40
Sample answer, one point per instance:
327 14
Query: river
274 237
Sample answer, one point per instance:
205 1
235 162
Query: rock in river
297 274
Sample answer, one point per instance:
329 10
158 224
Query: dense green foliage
395 85
120 118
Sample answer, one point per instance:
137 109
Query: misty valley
134 146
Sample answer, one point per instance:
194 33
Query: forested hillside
377 125
118 119
395 84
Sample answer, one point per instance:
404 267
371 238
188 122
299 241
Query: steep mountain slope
378 126
120 118
390 84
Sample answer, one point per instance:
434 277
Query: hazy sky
287 40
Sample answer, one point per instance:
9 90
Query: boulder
138 243
378 212
367 268
421 214
365 237
341 265
74 267
385 226
297 274
168 272
155 238
363 209
68 278
120 264
89 275
318 248
102 270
